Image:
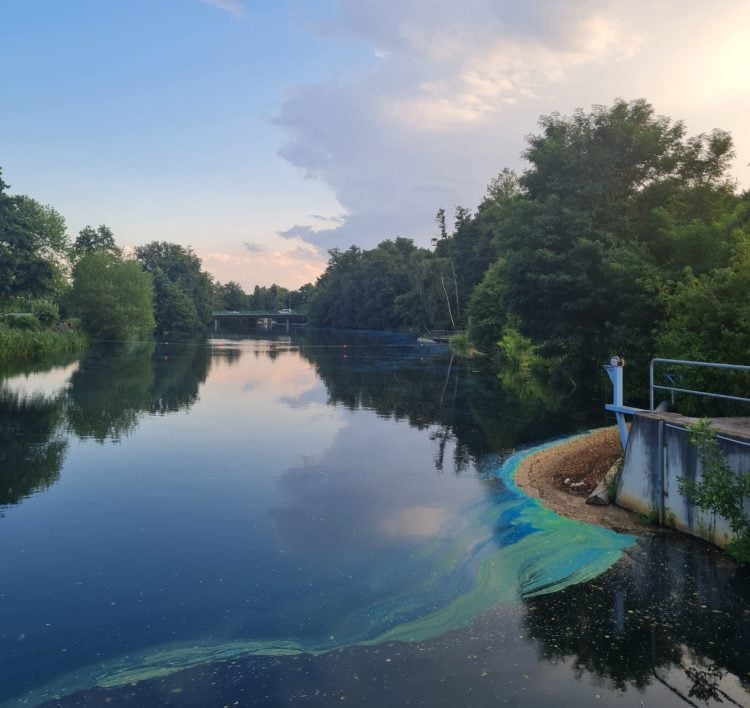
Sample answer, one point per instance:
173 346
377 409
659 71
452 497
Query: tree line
623 235
160 288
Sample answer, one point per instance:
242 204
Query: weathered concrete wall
658 453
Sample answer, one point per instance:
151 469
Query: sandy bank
562 477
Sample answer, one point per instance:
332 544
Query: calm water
321 517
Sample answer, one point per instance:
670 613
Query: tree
91 240
174 311
33 243
181 267
708 316
365 289
589 235
113 297
232 296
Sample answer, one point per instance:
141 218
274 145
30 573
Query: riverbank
21 344
564 475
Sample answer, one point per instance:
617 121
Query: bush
24 322
460 344
46 312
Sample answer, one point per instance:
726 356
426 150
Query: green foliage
22 322
460 344
93 240
46 312
113 297
182 268
487 312
365 289
32 247
708 315
524 371
269 299
27 344
721 491
614 202
174 311
231 296
518 353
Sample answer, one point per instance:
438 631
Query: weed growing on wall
721 491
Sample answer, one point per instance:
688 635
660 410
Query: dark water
322 517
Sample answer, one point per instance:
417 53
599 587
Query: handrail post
615 372
651 386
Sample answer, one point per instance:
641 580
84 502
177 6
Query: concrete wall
657 454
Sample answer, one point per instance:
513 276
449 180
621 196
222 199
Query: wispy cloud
328 219
233 7
253 247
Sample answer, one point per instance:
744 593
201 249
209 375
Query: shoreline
543 476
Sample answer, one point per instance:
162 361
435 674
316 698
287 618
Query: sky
262 133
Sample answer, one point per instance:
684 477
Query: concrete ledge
659 453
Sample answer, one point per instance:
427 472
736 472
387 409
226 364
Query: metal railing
654 387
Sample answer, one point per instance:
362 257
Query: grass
27 344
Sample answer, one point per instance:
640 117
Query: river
318 517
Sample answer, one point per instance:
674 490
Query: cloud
233 7
454 89
328 219
298 231
293 263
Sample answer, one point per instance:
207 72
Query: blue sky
263 133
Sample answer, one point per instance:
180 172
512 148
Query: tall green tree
92 240
33 245
182 268
363 288
598 223
113 297
231 296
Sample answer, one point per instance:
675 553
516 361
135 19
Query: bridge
258 318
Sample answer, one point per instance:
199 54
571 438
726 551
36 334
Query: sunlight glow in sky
263 133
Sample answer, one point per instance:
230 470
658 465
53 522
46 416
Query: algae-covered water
318 517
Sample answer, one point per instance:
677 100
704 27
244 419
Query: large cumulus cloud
454 88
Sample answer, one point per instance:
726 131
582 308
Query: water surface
170 511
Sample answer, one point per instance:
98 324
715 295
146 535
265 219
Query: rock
600 495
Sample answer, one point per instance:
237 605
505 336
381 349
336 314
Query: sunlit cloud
291 264
454 89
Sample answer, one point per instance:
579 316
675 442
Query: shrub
46 312
25 322
460 344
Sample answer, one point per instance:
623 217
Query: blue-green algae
512 549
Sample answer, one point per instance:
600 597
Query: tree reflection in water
117 384
427 386
676 611
105 398
32 446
